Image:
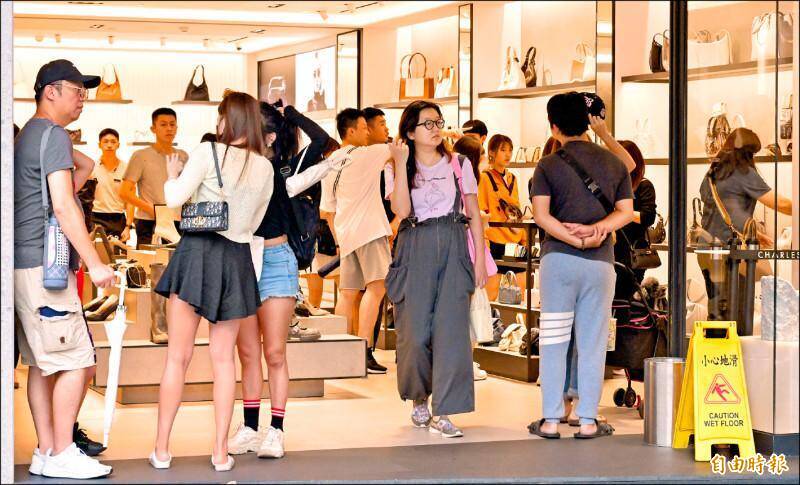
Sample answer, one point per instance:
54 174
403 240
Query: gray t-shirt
739 193
28 208
148 169
570 199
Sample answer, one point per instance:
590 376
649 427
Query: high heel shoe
158 464
95 304
223 467
106 309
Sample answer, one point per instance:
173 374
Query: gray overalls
430 282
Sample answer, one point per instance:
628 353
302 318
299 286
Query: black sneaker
373 367
84 443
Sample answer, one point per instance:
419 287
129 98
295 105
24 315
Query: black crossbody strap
587 180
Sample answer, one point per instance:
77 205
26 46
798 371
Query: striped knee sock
252 407
277 418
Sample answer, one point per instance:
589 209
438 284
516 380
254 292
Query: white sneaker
244 440
37 462
478 373
158 464
272 447
73 463
223 467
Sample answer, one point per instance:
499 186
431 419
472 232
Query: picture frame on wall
315 75
276 80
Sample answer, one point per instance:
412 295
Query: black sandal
536 428
603 429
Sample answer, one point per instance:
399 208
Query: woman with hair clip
211 274
431 277
740 187
278 286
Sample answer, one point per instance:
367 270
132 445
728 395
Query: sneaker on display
73 463
296 332
244 440
478 373
421 415
272 447
373 367
445 427
37 462
84 443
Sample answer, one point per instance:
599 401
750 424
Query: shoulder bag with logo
197 92
206 216
529 67
106 91
415 87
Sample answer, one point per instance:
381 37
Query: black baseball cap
477 127
63 70
595 105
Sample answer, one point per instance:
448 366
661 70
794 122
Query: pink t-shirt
434 191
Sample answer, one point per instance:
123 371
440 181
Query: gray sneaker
296 332
444 426
420 415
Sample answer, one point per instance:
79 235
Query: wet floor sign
713 405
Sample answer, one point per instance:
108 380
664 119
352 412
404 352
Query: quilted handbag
510 293
106 91
195 92
206 216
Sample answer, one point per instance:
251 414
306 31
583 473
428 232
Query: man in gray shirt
53 336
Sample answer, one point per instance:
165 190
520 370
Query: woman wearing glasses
431 277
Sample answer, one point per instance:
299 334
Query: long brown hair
638 172
408 123
470 147
736 154
242 120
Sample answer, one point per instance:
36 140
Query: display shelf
403 104
707 160
103 101
515 225
725 70
514 308
522 165
508 364
144 143
516 264
537 91
201 103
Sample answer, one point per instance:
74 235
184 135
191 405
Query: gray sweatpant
575 291
430 282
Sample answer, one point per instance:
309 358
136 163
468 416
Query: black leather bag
325 243
657 54
303 221
529 67
206 216
642 257
136 276
197 93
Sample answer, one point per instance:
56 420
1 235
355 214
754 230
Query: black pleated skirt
213 274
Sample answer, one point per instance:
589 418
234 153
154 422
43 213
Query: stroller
641 333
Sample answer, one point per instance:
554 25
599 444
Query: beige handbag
706 49
445 82
511 339
513 77
415 87
584 64
106 91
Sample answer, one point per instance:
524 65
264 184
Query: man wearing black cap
53 337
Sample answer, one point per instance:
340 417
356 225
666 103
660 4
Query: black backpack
304 219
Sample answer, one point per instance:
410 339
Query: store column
7 246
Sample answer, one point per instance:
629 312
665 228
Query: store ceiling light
97 26
39 37
58 38
110 40
275 5
258 31
205 43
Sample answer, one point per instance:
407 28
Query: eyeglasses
428 124
83 93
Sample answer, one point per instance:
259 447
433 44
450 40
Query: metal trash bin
662 392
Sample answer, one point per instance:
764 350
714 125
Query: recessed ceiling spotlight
97 26
275 5
205 43
58 38
110 39
323 14
39 37
163 41
258 31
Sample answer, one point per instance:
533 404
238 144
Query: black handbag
135 275
643 257
206 216
325 243
197 93
657 54
529 67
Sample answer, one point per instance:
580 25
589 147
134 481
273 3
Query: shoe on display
373 367
105 310
301 310
37 462
158 464
73 463
84 443
244 440
478 373
445 427
95 304
421 415
223 467
272 446
305 309
296 332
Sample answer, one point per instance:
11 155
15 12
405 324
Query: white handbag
584 64
511 339
768 28
705 49
513 77
480 317
445 82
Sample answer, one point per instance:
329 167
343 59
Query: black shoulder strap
491 180
587 180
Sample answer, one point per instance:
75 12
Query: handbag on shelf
411 87
584 64
697 235
109 91
445 82
657 233
533 154
513 77
206 216
135 274
786 117
707 49
510 293
197 92
74 135
529 67
530 339
480 317
717 129
659 53
766 30
511 340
